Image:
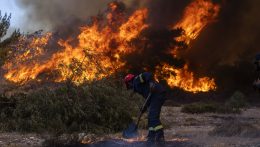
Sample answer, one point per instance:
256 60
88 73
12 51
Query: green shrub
237 101
98 107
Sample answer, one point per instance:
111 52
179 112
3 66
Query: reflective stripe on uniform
156 128
141 78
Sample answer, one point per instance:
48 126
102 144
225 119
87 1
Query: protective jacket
144 84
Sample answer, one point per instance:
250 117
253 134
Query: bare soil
197 127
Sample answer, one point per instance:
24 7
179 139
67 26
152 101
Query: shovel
132 130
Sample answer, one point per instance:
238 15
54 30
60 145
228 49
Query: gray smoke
226 49
234 38
165 13
223 49
50 14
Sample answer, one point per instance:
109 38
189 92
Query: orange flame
134 25
184 79
26 52
102 45
87 61
196 17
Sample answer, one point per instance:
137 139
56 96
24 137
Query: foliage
4 45
97 107
4 24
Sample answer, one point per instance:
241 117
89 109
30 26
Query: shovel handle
140 114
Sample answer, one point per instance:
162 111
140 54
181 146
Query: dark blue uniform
144 84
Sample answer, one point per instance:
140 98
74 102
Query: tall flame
87 61
102 45
196 17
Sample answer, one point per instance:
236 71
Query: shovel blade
131 132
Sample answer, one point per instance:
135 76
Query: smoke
232 39
50 14
165 13
226 48
155 43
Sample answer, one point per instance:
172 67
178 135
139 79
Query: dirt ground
196 127
180 130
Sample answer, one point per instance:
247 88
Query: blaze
184 79
196 17
92 59
27 49
101 46
134 25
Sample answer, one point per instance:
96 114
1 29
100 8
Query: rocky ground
202 130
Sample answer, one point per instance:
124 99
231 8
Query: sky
18 15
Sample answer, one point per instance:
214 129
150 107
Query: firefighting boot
150 139
159 138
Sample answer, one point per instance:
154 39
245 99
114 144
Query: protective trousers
156 103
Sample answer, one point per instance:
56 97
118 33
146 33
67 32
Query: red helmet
128 79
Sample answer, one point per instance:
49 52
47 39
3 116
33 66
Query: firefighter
257 64
144 84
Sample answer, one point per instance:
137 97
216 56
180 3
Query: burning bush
97 107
